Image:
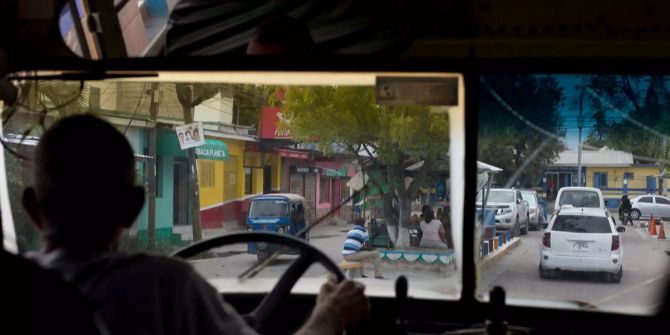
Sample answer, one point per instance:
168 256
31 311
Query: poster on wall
190 135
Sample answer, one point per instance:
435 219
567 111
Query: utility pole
188 108
150 170
579 140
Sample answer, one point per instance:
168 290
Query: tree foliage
637 109
507 140
392 137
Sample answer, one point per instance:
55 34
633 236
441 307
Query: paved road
646 272
233 260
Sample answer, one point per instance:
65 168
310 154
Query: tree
507 138
392 138
636 105
191 95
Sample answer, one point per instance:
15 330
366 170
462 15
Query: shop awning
213 150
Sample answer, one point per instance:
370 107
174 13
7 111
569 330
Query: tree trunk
404 213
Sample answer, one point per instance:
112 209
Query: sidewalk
492 257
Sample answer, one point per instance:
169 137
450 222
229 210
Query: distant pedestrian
357 248
550 189
434 235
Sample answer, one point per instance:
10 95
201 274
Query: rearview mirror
605 202
620 229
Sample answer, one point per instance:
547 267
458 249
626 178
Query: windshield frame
471 72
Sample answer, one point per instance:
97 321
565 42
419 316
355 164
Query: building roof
602 157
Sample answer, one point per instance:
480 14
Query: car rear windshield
498 196
580 199
582 224
261 208
530 197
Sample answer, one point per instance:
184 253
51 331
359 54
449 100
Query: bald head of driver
83 193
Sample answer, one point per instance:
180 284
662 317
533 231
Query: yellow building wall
615 176
223 189
276 173
211 195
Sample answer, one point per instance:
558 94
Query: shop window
629 175
324 194
230 178
600 179
207 174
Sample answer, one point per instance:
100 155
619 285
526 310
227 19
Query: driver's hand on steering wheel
338 306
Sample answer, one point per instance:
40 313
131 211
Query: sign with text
190 135
213 150
431 91
270 118
304 169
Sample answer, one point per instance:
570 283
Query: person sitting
135 294
357 248
433 234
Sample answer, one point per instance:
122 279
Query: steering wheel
261 318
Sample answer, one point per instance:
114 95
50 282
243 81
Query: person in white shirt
433 234
82 203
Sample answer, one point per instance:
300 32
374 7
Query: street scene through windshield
360 170
593 151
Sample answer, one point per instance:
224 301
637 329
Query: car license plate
580 246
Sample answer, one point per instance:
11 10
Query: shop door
180 192
267 179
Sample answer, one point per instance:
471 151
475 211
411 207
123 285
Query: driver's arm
339 305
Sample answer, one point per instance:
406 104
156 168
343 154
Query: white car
511 210
580 197
535 210
582 239
646 205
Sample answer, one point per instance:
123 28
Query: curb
489 260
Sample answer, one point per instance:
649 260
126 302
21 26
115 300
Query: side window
646 199
662 201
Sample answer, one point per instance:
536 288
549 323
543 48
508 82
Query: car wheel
517 228
262 255
524 230
616 277
635 214
544 274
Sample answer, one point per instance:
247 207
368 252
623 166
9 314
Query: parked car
582 239
646 205
535 210
511 209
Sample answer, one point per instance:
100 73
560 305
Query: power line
132 118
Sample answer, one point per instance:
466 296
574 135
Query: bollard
491 245
495 244
500 240
485 248
509 235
